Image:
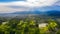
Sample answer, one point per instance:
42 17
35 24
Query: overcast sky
8 6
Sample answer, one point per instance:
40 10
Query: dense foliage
29 26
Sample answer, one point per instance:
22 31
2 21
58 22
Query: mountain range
48 13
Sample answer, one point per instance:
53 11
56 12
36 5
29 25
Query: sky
9 6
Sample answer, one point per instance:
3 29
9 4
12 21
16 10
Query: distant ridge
27 12
53 13
48 13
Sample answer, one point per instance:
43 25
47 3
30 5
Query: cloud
41 3
57 3
49 8
32 3
6 9
28 5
